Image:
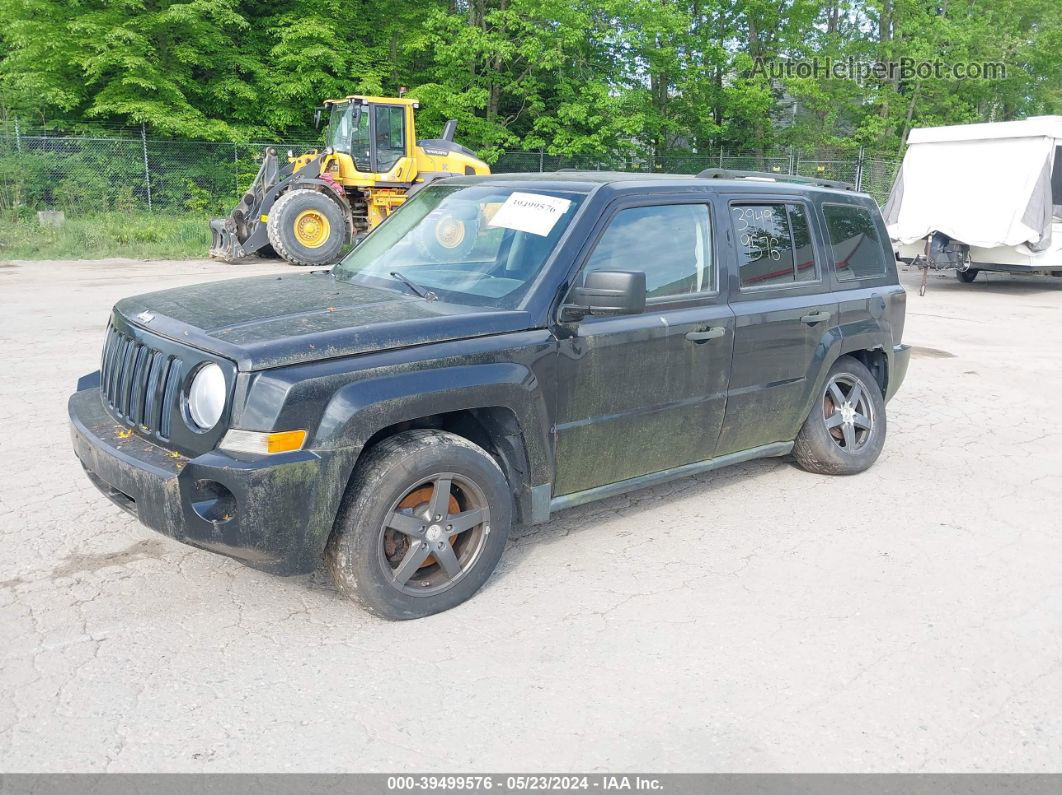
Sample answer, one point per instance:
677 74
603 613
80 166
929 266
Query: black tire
296 206
967 276
448 235
830 444
367 558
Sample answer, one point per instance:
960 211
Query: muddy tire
845 431
422 525
306 227
967 276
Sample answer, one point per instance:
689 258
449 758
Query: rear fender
829 350
835 345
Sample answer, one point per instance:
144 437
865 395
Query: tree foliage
571 77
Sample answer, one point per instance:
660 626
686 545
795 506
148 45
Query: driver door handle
815 317
706 334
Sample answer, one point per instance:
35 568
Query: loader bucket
224 242
229 235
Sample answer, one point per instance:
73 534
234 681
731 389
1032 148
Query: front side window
479 244
359 139
671 243
857 249
774 244
390 136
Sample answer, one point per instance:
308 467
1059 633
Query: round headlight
206 397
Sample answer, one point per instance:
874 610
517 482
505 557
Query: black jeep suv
500 348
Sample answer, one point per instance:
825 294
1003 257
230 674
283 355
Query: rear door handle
708 334
815 317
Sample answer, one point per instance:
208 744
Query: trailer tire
306 227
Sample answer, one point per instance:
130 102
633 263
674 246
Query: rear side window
774 244
672 243
857 249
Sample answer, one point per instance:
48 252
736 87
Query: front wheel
967 276
845 431
422 527
305 227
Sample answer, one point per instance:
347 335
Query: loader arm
243 232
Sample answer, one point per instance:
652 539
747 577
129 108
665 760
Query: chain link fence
134 172
126 173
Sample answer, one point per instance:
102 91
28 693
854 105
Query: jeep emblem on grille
145 317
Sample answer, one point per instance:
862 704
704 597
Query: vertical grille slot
136 384
114 377
169 395
126 380
108 354
151 397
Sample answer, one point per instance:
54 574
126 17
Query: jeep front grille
139 383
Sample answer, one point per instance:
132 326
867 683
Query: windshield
339 120
480 244
348 131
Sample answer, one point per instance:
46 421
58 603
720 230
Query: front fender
360 409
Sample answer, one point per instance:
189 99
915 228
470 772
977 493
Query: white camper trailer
980 197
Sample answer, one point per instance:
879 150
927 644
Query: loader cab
376 134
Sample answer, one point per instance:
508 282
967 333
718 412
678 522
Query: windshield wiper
427 295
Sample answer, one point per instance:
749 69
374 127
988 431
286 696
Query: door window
774 244
671 243
359 139
390 136
857 249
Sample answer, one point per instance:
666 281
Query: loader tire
306 227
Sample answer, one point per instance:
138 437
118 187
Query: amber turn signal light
263 443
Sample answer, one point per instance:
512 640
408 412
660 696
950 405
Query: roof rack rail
726 173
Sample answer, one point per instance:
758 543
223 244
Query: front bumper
272 512
901 359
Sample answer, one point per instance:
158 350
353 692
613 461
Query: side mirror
606 293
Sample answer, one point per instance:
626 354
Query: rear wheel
968 275
845 431
422 527
306 227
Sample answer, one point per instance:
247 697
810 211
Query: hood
271 321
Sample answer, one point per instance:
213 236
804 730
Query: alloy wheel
848 413
434 534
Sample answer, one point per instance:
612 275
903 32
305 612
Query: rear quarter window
854 240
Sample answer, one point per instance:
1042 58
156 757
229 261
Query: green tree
571 77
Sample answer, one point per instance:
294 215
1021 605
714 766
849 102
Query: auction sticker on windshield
530 212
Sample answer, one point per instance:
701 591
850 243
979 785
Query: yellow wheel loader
307 209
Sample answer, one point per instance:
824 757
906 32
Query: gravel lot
755 619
